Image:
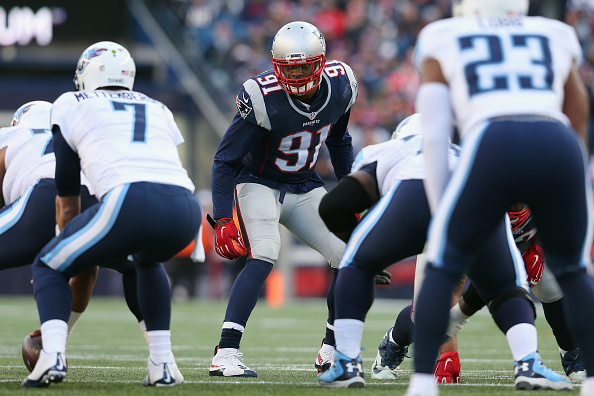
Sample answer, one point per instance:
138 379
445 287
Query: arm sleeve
433 102
240 138
67 166
340 146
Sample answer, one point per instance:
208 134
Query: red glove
534 263
447 368
228 241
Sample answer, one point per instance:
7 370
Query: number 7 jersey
121 137
501 66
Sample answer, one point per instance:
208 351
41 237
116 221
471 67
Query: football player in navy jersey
543 285
266 161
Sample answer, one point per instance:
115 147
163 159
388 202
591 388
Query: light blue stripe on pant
71 247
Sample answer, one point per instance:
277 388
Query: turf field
107 353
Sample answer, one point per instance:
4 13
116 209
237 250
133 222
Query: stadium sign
20 25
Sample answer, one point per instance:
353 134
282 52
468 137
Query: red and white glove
534 263
447 368
228 241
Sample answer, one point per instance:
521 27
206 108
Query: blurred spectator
375 37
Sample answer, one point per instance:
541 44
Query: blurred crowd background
193 55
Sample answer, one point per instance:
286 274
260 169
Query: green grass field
107 352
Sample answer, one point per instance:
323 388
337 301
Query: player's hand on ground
382 278
228 241
534 263
447 368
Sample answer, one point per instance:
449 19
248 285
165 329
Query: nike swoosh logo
59 364
535 260
445 366
166 375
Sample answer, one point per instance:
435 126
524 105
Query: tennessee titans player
510 81
125 143
266 161
374 243
28 219
393 170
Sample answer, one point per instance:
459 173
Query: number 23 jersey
501 66
121 137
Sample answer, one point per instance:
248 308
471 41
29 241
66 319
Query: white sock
160 345
142 326
74 316
348 334
522 340
54 333
422 381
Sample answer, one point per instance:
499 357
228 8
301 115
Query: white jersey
501 66
398 159
27 160
121 137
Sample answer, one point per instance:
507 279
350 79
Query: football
31 348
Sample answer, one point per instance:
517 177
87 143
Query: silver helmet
104 64
34 114
298 57
489 8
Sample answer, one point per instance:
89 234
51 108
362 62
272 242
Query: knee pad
265 250
516 292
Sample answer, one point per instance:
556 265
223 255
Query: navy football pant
396 228
540 163
150 221
28 224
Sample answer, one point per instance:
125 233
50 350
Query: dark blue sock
431 316
230 338
354 293
129 283
329 339
154 296
52 293
404 328
243 298
556 318
512 312
578 289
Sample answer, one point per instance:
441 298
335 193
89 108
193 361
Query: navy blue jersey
275 139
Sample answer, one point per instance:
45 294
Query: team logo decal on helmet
104 64
34 114
19 114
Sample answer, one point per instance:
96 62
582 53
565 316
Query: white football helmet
104 64
489 8
411 125
34 114
300 48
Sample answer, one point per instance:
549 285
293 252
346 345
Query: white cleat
51 367
228 362
163 374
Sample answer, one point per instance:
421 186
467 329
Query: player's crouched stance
125 143
345 372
